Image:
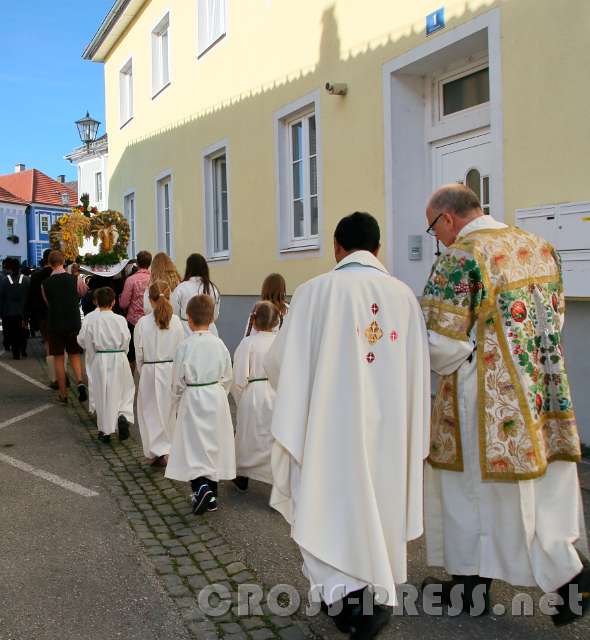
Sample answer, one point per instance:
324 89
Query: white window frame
126 93
204 44
164 243
10 222
444 79
283 119
44 217
98 193
129 196
160 80
210 155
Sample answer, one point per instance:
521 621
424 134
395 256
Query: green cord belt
111 351
257 380
201 384
156 361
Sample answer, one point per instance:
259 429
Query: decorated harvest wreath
108 232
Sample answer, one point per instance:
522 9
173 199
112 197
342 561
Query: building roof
6 196
111 28
34 186
97 148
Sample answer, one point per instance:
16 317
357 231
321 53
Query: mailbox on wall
567 227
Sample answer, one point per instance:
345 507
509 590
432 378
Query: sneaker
82 393
200 499
123 427
103 437
212 504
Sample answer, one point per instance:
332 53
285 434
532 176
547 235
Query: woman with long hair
274 289
162 269
196 282
157 336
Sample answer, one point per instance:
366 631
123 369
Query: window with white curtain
98 187
165 216
216 203
126 93
160 55
211 23
129 212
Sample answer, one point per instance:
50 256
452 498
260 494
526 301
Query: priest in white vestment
502 497
351 425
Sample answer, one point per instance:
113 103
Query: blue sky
45 86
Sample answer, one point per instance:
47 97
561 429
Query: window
129 212
65 198
160 56
216 202
10 226
480 185
211 23
126 93
98 187
464 92
164 211
44 224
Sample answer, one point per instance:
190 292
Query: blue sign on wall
435 21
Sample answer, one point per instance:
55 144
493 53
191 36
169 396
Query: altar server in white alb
502 493
203 450
157 337
254 398
196 282
106 340
351 421
88 355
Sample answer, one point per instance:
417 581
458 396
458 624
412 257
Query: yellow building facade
245 129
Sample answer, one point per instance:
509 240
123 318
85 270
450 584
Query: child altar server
203 450
157 336
254 398
106 341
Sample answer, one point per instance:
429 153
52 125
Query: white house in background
13 226
91 163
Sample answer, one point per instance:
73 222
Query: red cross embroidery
374 308
370 357
393 335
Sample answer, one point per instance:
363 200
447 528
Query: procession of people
333 396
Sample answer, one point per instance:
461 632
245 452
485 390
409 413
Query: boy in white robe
106 341
156 337
254 398
203 450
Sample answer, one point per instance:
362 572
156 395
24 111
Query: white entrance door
467 160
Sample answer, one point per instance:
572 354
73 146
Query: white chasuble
203 440
106 341
155 349
254 398
351 423
521 531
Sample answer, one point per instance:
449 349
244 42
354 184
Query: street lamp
87 128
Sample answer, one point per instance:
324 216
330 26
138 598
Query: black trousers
15 335
197 482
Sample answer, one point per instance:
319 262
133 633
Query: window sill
160 90
219 258
200 54
298 248
124 124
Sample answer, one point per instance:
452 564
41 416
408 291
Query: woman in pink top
131 299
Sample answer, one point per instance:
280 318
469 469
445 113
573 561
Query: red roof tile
34 186
6 196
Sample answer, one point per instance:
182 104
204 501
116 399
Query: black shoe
200 499
23 354
16 356
340 619
103 437
581 589
123 428
212 504
241 483
82 393
365 617
467 592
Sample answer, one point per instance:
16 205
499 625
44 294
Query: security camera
337 88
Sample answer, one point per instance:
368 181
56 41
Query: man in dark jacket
13 301
62 292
